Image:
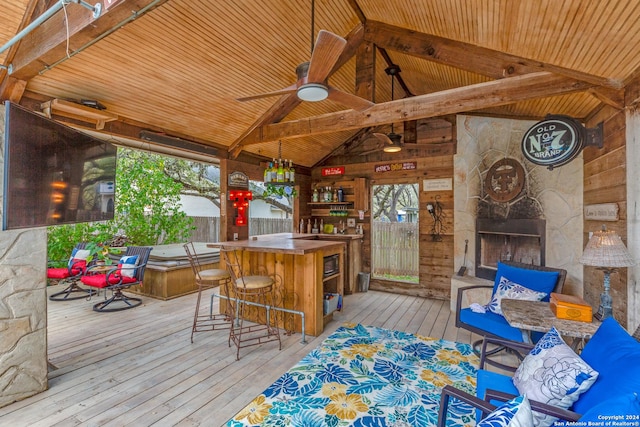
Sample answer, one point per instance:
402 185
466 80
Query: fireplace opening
521 240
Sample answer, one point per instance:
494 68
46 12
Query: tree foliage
148 200
388 199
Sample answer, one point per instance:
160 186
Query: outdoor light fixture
606 251
313 92
396 144
395 139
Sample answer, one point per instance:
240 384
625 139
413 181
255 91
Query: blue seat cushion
540 281
494 381
624 405
491 322
616 356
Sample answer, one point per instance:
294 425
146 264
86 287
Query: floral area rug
368 376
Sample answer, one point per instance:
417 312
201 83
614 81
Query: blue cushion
491 322
492 380
623 405
540 281
616 356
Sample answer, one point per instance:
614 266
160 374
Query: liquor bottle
340 194
301 228
267 173
292 172
273 171
316 196
280 172
309 226
334 196
286 171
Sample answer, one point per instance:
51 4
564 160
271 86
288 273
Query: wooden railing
208 228
394 249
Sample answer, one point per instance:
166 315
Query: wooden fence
208 228
395 249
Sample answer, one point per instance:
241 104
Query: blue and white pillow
78 255
553 373
514 413
127 264
511 290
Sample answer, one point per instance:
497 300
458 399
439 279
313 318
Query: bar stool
208 279
250 290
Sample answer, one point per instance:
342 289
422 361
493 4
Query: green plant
101 252
279 191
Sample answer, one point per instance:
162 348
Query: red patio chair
128 272
76 267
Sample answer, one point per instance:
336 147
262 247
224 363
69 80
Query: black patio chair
128 272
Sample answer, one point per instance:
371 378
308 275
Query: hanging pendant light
394 143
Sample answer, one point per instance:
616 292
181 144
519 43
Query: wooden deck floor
138 367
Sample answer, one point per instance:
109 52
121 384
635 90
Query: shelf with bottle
280 173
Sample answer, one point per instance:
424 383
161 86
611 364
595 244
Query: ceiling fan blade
348 99
285 91
383 137
325 54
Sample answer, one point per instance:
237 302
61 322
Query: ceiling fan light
313 92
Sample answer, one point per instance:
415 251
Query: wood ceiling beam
608 96
47 43
468 57
483 95
287 103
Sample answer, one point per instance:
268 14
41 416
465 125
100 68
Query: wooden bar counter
297 262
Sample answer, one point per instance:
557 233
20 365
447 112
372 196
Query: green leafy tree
148 201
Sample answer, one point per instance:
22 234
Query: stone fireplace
549 203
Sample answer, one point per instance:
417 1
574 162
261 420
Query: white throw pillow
514 413
511 290
553 373
127 264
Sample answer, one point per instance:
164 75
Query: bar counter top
290 243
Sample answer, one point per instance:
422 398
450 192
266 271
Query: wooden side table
537 316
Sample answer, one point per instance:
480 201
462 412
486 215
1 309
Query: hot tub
169 275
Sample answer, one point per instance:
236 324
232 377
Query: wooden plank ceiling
179 67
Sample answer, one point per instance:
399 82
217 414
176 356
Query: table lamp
606 251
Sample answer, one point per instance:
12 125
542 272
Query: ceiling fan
311 84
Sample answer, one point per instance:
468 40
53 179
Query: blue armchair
489 324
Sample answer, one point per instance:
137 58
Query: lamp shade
396 143
605 249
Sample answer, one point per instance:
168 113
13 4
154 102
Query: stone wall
23 307
481 142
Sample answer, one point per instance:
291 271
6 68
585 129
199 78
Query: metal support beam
97 10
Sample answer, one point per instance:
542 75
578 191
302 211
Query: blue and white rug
368 376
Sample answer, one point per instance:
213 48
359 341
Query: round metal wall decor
554 141
504 180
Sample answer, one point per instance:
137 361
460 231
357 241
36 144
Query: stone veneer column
481 142
23 307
